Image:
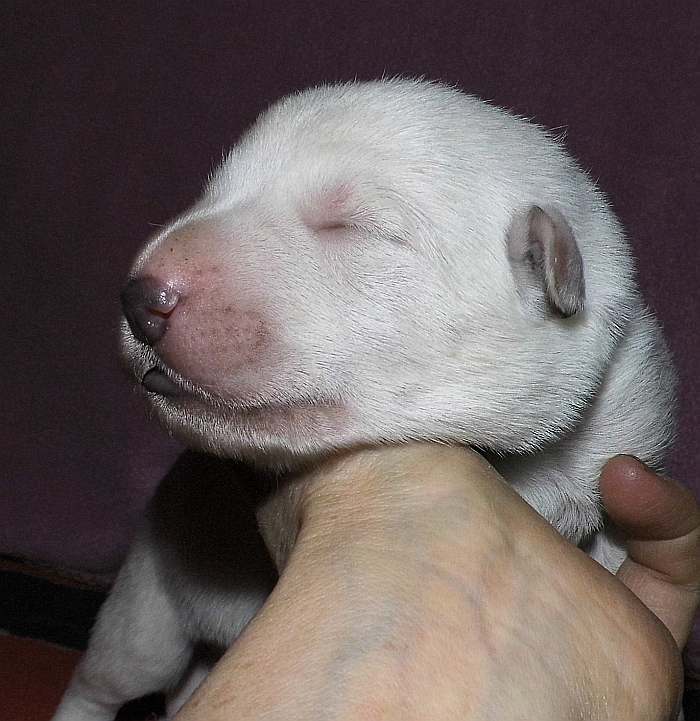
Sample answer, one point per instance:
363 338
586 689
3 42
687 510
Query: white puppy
373 262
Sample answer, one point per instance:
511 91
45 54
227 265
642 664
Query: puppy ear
546 262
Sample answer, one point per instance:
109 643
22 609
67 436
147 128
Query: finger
660 520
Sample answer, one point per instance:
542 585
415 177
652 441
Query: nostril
162 300
147 304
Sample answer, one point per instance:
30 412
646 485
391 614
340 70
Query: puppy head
374 263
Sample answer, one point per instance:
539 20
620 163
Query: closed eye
338 231
330 227
348 232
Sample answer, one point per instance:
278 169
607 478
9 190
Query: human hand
660 520
412 594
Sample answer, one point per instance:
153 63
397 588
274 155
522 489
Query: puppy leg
138 645
190 682
548 483
607 549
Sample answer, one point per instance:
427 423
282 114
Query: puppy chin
281 436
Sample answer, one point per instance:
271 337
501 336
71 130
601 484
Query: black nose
147 304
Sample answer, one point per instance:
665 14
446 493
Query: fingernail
640 462
657 472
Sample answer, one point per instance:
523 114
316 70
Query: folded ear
546 262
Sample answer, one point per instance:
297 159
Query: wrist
375 497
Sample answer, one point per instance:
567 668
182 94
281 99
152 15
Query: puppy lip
155 381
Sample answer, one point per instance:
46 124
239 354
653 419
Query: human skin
411 594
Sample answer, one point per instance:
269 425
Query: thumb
660 520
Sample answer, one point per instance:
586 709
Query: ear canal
546 261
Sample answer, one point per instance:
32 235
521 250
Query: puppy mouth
164 385
155 381
158 381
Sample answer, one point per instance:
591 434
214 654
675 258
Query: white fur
345 279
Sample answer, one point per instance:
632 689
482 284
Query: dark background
114 113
